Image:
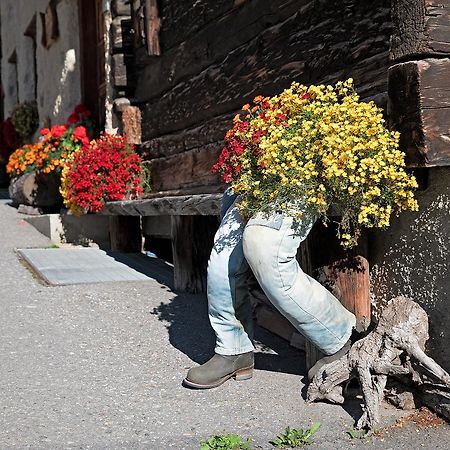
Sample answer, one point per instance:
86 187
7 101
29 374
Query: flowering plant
49 153
25 118
82 116
323 146
105 170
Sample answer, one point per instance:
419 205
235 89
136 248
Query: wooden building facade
195 63
216 56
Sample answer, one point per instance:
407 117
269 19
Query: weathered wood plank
213 189
192 241
186 205
212 43
180 19
283 52
419 107
209 132
153 23
186 170
421 29
131 124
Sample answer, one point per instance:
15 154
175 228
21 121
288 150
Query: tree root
394 348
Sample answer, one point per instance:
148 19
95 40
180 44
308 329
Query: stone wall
57 68
412 258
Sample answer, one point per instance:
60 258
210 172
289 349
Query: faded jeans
268 246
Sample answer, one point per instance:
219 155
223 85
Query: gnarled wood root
394 348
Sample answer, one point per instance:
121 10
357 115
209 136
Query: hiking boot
219 369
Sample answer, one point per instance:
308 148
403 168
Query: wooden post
125 234
131 124
192 241
344 273
153 23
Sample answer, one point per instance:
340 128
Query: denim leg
229 305
311 308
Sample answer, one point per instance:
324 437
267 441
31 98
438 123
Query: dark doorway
92 45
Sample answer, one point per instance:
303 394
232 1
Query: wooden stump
36 189
192 241
125 234
394 348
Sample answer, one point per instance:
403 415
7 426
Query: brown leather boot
219 369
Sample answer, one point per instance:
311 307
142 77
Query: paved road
99 367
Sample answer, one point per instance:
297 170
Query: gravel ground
99 366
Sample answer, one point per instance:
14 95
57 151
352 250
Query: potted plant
35 169
107 169
322 146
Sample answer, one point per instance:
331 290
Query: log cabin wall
217 55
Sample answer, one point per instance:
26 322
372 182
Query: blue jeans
268 246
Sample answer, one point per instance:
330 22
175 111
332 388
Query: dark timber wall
217 55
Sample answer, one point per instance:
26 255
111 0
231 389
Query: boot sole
239 375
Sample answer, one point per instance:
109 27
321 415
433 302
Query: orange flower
246 107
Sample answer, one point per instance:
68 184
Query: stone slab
67 228
62 266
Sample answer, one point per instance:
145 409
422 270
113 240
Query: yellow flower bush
322 145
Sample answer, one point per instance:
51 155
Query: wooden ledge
182 205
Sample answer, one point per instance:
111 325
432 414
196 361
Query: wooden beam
209 132
192 241
419 107
186 170
125 234
183 205
153 23
420 29
131 124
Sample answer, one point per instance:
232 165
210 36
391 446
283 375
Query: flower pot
36 189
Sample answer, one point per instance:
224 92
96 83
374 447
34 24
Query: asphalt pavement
99 366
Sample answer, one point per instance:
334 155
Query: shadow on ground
155 268
186 319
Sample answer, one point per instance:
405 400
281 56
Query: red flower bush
107 169
82 116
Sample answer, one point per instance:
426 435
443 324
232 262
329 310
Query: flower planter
36 189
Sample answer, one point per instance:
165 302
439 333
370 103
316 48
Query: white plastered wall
58 68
